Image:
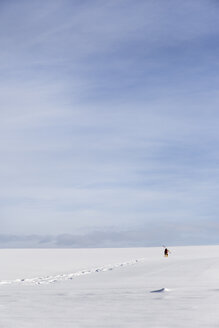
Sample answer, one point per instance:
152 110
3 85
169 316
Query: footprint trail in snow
69 276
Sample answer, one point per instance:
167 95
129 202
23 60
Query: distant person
166 252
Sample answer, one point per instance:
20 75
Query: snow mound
162 290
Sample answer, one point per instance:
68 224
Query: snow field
111 288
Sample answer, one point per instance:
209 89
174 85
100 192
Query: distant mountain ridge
96 239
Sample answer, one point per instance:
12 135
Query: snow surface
109 287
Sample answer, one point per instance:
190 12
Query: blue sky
109 117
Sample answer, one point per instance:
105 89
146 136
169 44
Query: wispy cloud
109 115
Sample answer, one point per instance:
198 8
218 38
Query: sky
109 118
